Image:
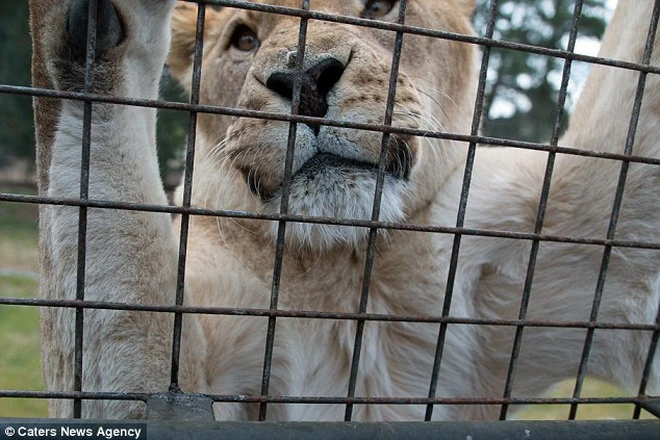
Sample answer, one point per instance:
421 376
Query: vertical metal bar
649 359
460 220
187 195
82 213
284 209
373 232
540 214
614 218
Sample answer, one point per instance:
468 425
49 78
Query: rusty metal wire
540 214
82 210
373 232
91 203
284 208
474 139
187 196
614 217
257 114
330 400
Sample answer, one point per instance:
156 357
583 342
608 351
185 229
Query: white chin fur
341 197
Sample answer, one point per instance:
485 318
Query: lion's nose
316 83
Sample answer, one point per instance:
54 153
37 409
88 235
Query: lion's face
250 61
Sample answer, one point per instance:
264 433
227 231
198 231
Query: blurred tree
16 129
522 89
171 133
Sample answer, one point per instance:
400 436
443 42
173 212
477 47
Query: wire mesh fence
459 231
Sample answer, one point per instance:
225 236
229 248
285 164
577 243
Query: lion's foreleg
130 255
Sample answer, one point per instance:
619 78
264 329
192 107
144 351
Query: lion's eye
377 8
244 39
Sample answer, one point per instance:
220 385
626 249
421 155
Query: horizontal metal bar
332 400
652 405
433 33
311 314
285 117
22 198
86 395
176 405
511 430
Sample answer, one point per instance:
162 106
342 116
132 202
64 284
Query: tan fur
230 261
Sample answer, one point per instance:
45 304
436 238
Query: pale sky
588 46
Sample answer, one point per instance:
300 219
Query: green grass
19 326
591 388
18 237
19 345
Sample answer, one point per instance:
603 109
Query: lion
415 256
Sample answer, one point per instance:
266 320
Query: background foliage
522 89
515 79
16 132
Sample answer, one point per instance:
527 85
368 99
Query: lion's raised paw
109 29
117 28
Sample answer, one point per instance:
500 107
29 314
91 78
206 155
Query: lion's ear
184 31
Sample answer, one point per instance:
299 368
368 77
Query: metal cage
177 415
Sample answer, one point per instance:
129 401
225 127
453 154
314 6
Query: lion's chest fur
312 355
